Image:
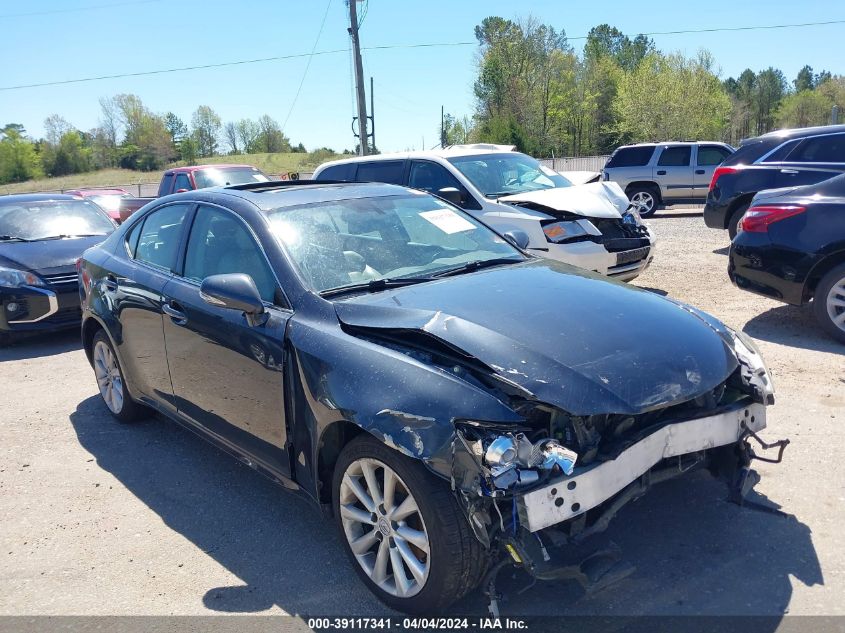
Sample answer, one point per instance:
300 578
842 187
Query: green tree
18 159
804 80
804 109
270 138
670 97
205 129
70 155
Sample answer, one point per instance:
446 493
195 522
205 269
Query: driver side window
221 243
431 177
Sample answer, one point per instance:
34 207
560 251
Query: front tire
644 199
111 383
829 303
403 530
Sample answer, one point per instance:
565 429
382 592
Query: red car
108 199
180 179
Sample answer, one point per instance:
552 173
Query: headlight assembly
755 372
13 278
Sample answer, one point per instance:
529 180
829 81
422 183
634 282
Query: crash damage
583 436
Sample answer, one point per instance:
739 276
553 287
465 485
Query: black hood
572 339
46 256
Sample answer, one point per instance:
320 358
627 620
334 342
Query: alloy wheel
384 527
836 304
108 377
643 202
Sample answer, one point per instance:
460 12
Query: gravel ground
100 518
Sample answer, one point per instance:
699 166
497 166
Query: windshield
506 173
348 242
45 219
227 176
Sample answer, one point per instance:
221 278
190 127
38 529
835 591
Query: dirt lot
100 518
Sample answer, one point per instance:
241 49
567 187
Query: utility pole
363 137
442 129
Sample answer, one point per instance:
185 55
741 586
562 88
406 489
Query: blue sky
57 42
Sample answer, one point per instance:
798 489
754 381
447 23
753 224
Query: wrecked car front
546 398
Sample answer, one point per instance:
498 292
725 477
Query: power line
375 48
75 9
308 65
733 28
224 64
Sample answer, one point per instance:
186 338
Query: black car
791 247
455 404
785 158
41 238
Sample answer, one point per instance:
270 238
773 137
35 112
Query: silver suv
657 174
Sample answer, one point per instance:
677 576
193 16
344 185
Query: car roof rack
281 184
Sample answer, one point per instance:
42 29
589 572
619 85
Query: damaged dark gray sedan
456 405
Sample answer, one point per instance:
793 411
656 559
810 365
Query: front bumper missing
567 497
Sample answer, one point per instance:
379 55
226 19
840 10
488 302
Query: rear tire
455 561
733 223
111 383
645 199
829 303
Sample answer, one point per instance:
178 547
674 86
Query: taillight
721 171
758 219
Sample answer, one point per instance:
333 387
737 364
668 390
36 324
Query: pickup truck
181 179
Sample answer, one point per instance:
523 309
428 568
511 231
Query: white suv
589 226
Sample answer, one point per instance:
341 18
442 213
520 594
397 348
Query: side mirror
451 194
235 291
518 238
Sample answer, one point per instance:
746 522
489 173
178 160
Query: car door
134 285
228 375
707 158
814 159
673 172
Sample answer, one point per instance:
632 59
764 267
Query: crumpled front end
537 494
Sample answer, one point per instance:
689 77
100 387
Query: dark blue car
41 238
456 405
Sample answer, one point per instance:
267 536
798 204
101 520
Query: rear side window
678 156
709 155
389 171
752 150
822 149
346 171
631 157
158 242
166 185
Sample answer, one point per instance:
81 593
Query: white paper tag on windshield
447 221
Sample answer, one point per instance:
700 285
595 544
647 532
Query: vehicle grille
62 281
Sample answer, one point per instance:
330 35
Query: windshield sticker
447 221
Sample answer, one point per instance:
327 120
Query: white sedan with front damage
590 226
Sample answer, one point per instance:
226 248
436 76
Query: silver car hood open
593 200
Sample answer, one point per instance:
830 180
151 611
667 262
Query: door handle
700 172
789 171
177 316
661 172
110 283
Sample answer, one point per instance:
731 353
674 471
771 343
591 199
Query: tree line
131 136
533 90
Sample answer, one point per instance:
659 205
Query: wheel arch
743 200
828 263
90 327
643 184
